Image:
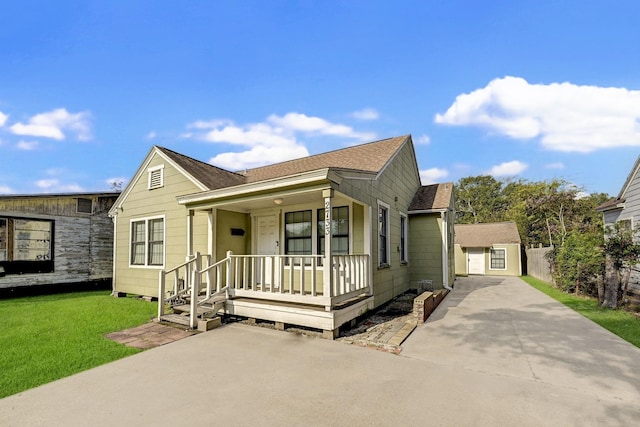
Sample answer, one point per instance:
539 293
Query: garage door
476 261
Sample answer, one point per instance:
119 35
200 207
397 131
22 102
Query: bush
579 263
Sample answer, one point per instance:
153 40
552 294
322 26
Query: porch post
190 232
211 226
327 264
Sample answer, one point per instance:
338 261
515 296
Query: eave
311 178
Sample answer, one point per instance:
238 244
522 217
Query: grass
48 337
620 322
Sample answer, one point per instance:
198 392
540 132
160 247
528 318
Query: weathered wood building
55 239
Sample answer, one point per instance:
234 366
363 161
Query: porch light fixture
277 201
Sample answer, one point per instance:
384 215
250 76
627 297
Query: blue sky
524 89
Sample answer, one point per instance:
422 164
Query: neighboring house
488 248
254 243
625 209
56 239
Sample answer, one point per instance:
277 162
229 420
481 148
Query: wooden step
204 311
175 318
186 308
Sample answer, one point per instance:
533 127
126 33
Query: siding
396 185
144 203
82 242
425 249
513 262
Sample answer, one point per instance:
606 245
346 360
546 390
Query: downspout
445 252
114 219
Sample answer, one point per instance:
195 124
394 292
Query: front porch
309 290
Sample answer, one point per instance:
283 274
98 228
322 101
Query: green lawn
620 322
45 338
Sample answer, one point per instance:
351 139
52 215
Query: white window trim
146 242
314 228
405 249
382 204
150 173
506 263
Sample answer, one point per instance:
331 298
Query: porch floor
382 329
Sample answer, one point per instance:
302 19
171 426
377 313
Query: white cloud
271 141
297 122
55 124
557 165
258 156
53 185
151 135
433 175
27 145
511 168
564 116
423 140
3 118
5 189
366 114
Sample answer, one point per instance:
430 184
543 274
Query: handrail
286 278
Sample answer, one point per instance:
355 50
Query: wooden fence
537 265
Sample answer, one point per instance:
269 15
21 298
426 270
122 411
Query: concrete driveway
495 352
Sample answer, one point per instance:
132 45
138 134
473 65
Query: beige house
431 219
255 244
490 248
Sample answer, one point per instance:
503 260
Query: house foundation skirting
307 316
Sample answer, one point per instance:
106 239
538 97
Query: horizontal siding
143 203
395 186
83 243
425 249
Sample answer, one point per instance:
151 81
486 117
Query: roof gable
486 234
211 177
432 197
630 178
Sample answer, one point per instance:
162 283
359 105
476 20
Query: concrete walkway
495 352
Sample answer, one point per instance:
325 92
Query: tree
621 252
116 185
479 199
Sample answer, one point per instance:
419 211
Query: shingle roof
434 196
371 157
210 176
609 204
487 234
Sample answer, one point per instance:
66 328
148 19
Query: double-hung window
297 233
403 238
383 235
147 242
498 259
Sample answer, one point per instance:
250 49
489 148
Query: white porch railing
284 278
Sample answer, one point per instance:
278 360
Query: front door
476 261
266 244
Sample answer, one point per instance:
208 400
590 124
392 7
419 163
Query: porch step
202 311
208 307
175 318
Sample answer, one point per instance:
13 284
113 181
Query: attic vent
156 177
84 206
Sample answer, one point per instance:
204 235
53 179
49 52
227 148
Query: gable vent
156 178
